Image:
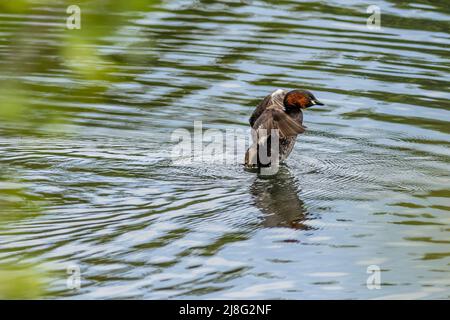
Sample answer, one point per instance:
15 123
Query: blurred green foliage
16 202
75 55
21 282
75 58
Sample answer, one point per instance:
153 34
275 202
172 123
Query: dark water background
88 179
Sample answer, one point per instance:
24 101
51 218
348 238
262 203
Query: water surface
89 180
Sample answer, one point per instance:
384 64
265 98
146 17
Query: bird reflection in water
277 197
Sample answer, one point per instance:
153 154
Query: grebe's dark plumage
280 110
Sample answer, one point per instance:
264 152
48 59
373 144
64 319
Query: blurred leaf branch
24 282
74 57
36 44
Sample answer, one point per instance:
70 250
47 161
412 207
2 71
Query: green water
85 142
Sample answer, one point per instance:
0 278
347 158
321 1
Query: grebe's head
300 99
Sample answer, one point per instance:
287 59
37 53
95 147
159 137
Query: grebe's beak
316 102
